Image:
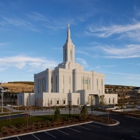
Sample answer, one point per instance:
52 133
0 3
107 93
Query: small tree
84 112
57 115
102 100
121 102
26 117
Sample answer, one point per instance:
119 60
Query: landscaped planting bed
27 124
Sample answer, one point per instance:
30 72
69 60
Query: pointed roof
68 33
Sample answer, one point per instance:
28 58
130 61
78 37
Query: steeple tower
68 48
68 33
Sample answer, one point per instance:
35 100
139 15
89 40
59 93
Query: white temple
68 82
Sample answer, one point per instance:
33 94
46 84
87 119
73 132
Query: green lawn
32 119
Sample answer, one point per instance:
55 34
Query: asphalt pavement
128 129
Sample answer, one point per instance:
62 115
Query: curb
10 115
133 117
107 124
60 128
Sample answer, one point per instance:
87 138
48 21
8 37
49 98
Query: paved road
12 116
129 129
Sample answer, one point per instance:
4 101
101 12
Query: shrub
84 112
57 115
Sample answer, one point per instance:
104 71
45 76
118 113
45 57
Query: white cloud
129 51
82 62
18 23
129 30
83 52
56 23
21 62
109 66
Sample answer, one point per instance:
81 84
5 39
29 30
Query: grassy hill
27 86
17 87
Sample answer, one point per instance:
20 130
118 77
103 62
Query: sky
106 35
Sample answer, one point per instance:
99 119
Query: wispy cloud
83 52
82 62
109 66
21 62
129 51
129 30
51 22
19 23
56 23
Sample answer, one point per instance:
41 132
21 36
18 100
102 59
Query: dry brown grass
18 87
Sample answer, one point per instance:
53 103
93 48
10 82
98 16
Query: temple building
67 83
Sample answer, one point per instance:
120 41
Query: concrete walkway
11 109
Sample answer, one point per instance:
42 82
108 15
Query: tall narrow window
64 101
113 101
77 101
63 83
43 84
65 54
69 83
97 84
56 83
57 102
102 85
88 83
82 81
71 55
109 100
38 86
51 84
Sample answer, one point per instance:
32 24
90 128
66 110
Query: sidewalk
12 110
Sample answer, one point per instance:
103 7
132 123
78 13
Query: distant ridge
28 86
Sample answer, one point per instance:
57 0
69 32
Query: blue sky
106 34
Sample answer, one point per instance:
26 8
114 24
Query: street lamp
2 92
69 108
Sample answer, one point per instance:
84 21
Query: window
51 84
69 83
64 101
71 55
113 100
56 83
63 83
65 54
42 84
57 101
50 101
77 101
97 84
109 100
38 86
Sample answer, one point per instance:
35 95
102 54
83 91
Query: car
117 110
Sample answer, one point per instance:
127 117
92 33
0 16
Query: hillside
22 86
17 87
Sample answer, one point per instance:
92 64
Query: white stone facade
69 82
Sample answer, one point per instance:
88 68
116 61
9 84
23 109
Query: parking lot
127 130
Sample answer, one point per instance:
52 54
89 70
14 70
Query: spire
68 33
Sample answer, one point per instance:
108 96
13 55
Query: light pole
69 108
2 92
